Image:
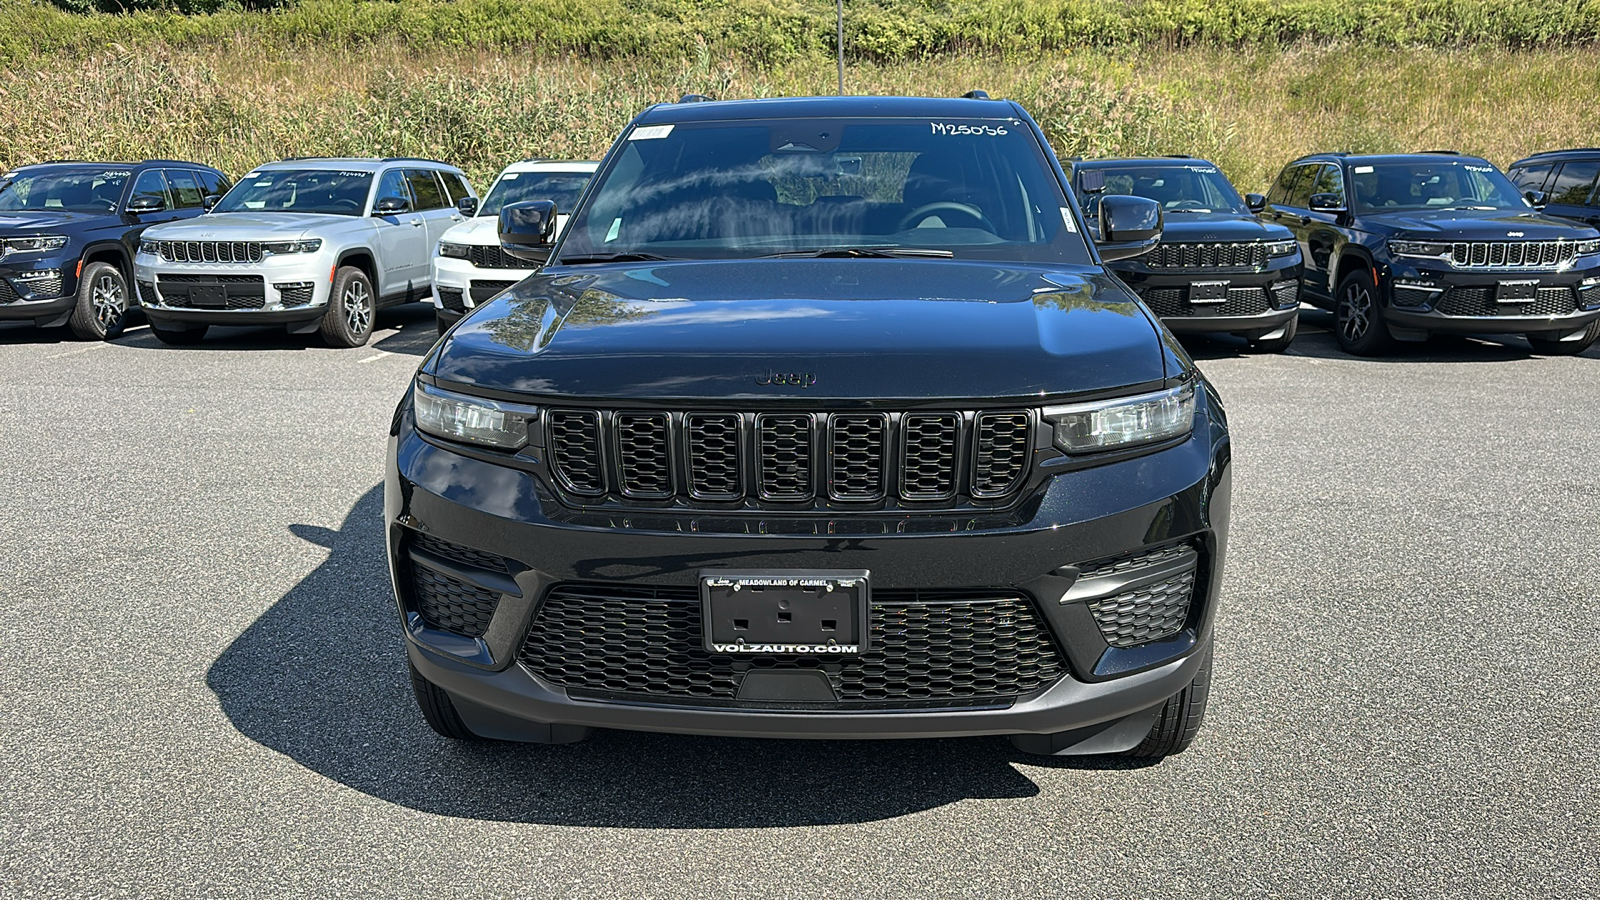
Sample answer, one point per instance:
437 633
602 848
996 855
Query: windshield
517 187
94 189
979 189
299 191
1380 187
1196 188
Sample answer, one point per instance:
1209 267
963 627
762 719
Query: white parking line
85 349
379 355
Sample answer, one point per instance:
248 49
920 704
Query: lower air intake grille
1171 303
1479 301
295 294
1146 610
456 553
1286 295
451 299
452 605
927 648
483 291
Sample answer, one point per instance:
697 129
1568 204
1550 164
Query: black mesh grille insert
492 257
454 552
642 441
1286 295
856 453
785 460
8 294
928 463
575 450
929 647
295 294
1001 457
1171 303
1150 613
450 604
1479 301
452 299
714 456
484 291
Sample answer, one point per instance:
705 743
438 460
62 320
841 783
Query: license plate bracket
209 296
1208 292
806 612
1522 291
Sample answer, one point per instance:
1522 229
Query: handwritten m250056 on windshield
963 128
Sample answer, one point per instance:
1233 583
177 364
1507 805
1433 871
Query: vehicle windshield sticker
616 226
352 174
962 128
1066 216
250 176
650 133
510 176
1479 168
1204 170
267 183
116 173
1363 170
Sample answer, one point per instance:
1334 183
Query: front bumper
459 286
38 289
280 289
1109 694
1256 301
1420 297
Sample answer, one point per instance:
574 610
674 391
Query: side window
426 189
212 183
1574 183
1531 178
1285 183
1300 190
393 184
455 186
1328 181
151 184
186 189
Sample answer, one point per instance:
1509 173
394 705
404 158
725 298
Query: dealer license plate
1208 292
806 612
1517 291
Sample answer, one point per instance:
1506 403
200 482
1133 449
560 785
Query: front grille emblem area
795 379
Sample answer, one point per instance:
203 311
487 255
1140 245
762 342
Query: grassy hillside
341 77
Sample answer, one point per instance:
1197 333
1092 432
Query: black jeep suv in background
1218 268
1564 183
1404 246
824 420
68 232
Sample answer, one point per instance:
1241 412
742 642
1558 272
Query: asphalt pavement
203 694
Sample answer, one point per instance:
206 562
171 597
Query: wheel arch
107 252
363 259
1351 258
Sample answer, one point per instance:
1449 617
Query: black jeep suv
1564 183
1404 246
68 232
824 420
1218 268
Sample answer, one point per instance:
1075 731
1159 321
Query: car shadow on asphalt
1315 340
408 329
321 678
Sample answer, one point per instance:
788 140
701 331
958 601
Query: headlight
475 420
151 247
1281 248
43 243
1587 247
1126 422
455 251
1426 249
308 246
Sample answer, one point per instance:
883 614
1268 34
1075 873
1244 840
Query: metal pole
841 47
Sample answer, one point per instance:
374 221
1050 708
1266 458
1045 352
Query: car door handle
1305 220
416 223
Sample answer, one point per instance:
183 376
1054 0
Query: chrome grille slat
210 251
1234 255
1511 254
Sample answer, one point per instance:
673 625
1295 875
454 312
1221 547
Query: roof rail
1567 150
1443 152
975 95
1176 156
695 98
425 159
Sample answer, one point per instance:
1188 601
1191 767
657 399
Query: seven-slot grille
1511 254
210 251
1480 301
789 457
492 257
1207 256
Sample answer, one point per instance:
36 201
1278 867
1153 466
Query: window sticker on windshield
250 176
1363 170
650 133
1479 168
510 176
116 173
352 174
962 128
267 183
1066 216
1204 170
611 234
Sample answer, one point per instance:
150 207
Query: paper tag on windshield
510 176
650 133
1363 170
1066 216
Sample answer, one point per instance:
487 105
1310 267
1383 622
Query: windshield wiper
861 253
611 257
1188 209
1473 207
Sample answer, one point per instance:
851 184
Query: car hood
249 227
29 221
873 329
484 231
1477 225
1218 228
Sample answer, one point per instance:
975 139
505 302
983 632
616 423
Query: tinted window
1328 181
76 189
1193 187
212 183
1530 178
1284 185
393 184
1574 183
976 188
1442 184
1300 190
426 189
562 187
150 183
186 188
455 186
328 191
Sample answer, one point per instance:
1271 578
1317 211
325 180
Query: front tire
348 321
1180 717
103 300
438 709
1547 347
1358 323
1280 343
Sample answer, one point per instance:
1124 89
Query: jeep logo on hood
798 379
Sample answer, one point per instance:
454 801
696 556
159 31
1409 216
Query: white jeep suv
311 244
469 266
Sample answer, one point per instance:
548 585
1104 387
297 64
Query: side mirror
392 206
528 229
1329 203
141 206
467 206
1256 202
1536 199
209 201
1129 227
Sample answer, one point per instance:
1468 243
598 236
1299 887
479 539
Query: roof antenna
841 47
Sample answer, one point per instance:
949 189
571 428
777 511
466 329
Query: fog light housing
1415 293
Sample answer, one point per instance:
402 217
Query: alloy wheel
357 301
1355 312
110 301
